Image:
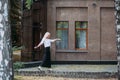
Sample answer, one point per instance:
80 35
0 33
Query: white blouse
46 42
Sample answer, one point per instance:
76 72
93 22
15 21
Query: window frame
82 29
63 29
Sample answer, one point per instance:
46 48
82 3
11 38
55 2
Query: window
81 33
81 29
62 33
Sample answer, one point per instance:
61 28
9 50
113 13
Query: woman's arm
39 44
57 39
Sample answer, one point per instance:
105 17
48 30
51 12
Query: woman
47 43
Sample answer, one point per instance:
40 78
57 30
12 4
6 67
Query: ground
54 78
81 68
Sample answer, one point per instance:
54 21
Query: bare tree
6 71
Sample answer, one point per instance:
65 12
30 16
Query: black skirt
46 58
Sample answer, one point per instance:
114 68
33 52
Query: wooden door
38 28
34 27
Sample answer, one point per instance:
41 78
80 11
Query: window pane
63 24
62 33
80 39
82 24
81 34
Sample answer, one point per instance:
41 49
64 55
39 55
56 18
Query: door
38 28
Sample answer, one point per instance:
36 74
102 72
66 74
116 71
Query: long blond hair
46 35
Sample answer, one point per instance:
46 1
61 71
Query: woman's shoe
40 68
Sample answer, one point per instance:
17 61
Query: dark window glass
62 33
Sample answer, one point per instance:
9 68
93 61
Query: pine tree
15 21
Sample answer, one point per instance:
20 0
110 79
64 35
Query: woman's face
48 36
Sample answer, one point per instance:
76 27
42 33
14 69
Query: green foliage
18 77
15 21
29 3
15 10
18 65
15 48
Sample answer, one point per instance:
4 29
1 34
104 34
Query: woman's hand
35 47
58 39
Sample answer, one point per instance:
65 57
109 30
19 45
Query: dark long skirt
46 58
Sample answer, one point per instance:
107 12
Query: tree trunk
6 72
117 13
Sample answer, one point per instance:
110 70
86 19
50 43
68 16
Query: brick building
86 27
